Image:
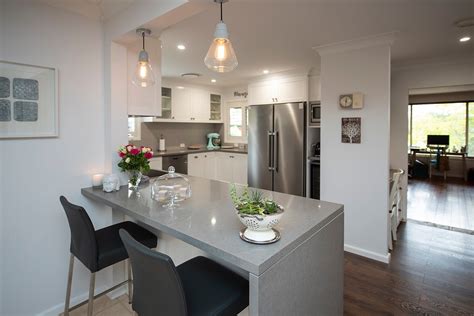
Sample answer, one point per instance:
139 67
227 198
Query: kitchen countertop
208 221
186 151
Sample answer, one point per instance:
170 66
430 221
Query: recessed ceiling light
265 71
213 80
464 39
179 87
181 47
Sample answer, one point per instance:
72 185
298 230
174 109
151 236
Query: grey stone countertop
209 221
186 151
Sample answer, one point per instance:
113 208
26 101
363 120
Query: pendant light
143 76
221 56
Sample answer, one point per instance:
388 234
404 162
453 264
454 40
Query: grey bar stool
98 249
199 286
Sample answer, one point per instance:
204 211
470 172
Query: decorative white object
260 228
221 56
162 146
111 183
171 188
357 100
28 101
97 179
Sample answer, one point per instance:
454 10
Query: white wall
428 75
356 175
1 174
37 171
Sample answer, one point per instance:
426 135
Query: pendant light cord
143 40
221 12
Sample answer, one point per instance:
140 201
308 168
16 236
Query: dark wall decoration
351 130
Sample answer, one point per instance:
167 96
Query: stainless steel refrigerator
276 147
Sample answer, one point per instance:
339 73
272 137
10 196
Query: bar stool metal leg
129 281
69 285
91 295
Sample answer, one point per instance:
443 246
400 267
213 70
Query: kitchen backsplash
176 133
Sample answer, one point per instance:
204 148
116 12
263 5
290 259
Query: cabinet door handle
196 157
231 156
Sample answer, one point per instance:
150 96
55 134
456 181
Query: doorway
441 153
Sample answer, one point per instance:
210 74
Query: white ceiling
94 9
279 34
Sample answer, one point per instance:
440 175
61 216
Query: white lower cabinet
156 163
228 167
202 165
232 167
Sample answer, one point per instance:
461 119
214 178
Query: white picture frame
28 101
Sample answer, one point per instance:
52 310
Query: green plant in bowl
252 202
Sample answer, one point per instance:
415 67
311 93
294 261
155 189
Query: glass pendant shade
221 56
143 75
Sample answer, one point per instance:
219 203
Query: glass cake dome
170 189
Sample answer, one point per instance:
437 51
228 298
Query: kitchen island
301 274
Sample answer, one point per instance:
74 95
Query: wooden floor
431 273
447 204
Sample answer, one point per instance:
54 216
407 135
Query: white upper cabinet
200 102
291 89
193 104
144 101
261 93
179 104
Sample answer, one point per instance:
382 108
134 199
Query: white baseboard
59 308
367 253
118 292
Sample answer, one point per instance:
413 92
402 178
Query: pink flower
121 154
148 155
135 151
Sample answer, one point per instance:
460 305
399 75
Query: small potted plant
257 213
134 161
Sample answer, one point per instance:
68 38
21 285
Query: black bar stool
98 249
199 286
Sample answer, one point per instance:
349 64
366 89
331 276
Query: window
236 122
453 119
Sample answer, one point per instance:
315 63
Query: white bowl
259 228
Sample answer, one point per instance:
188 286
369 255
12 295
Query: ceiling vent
190 75
468 22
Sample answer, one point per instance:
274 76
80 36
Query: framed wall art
351 130
28 101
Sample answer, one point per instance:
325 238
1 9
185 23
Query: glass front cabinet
216 114
166 107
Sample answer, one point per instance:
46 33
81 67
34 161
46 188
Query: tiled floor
447 204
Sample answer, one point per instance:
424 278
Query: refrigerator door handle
277 148
270 150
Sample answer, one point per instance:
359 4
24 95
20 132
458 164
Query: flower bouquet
134 161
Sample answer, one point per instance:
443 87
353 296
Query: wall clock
351 101
345 100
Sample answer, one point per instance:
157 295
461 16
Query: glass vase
134 178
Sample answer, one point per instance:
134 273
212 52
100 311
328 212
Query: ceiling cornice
385 39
